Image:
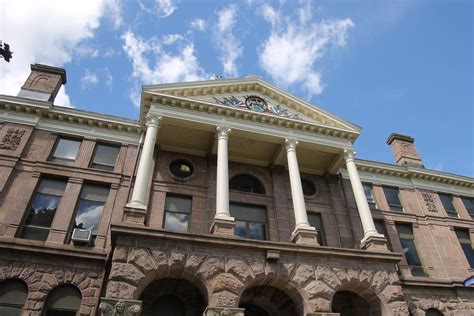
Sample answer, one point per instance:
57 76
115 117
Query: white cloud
43 32
89 79
114 9
152 64
85 50
269 14
290 52
198 24
172 38
225 41
161 8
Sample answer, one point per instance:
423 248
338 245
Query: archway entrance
350 304
267 301
172 297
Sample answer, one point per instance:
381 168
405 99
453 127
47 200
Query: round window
308 187
181 168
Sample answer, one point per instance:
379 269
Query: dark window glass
466 245
42 209
177 212
65 151
105 157
447 201
308 187
316 221
181 168
381 229
469 204
368 190
250 221
90 206
405 233
63 300
13 293
391 194
246 183
433 312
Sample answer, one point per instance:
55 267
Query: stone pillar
135 211
112 307
303 233
223 223
372 239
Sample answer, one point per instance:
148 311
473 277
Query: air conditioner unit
81 237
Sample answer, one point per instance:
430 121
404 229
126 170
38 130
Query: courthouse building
225 197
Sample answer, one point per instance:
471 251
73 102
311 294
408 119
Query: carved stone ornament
223 132
349 154
224 311
429 201
153 119
290 144
12 139
117 307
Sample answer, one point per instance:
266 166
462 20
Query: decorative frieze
429 201
109 307
12 139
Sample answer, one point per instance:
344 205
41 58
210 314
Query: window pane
178 204
393 200
410 252
247 212
315 220
240 228
176 221
42 210
52 186
95 192
246 183
367 190
106 154
380 227
35 233
256 231
466 245
447 201
10 311
67 149
469 204
88 215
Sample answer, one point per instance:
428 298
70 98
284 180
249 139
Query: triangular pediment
254 95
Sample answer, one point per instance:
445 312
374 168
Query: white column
361 201
222 181
299 207
145 166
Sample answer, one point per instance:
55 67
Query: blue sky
387 66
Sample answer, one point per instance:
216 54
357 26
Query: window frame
398 208
21 231
416 270
470 208
385 231
247 221
104 166
449 209
61 160
466 245
370 200
256 184
165 212
321 237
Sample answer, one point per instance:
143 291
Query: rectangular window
469 205
393 200
316 221
177 213
447 201
381 229
90 206
42 209
65 151
466 245
250 221
368 190
105 156
405 233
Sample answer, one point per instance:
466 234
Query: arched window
246 183
13 293
63 300
433 312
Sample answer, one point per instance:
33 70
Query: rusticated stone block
392 293
220 311
258 268
194 261
303 274
321 304
126 272
50 279
226 281
224 298
379 281
120 254
240 269
327 275
177 262
117 289
142 259
161 260
318 289
211 266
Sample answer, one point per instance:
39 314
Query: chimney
43 83
404 150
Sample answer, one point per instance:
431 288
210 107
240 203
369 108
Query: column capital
223 132
349 154
153 119
290 144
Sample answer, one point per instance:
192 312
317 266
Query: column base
223 227
116 306
305 236
374 243
134 213
224 311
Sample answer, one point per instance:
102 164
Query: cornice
47 111
413 173
263 118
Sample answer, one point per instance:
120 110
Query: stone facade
134 261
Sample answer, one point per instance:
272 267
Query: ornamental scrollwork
12 139
429 201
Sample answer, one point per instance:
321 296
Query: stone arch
63 297
253 172
351 303
13 293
